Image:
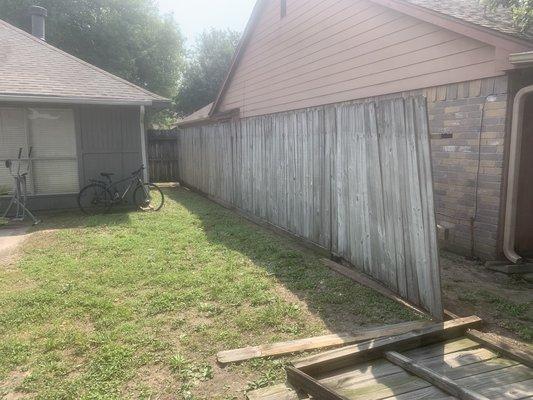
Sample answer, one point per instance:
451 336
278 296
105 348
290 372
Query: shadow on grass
339 302
68 219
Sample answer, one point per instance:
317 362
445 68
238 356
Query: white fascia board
72 100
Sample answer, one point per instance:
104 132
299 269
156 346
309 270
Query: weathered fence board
354 178
163 156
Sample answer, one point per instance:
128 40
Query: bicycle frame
112 186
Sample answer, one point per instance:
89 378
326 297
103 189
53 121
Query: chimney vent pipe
38 15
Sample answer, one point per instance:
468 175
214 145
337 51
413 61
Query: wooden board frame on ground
304 374
317 342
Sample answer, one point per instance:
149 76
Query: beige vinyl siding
336 50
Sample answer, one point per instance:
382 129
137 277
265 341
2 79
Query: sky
194 16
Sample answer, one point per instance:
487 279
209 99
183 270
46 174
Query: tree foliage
521 10
205 70
128 38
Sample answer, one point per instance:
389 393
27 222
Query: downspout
144 156
513 176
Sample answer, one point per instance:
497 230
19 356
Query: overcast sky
194 16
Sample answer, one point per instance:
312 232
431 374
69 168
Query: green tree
128 38
521 10
205 70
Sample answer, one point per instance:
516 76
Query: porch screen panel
12 138
53 139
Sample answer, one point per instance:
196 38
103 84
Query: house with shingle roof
473 65
77 119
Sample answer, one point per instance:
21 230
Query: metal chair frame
20 189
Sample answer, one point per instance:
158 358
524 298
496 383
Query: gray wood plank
351 179
433 377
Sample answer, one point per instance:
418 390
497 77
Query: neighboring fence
162 155
354 178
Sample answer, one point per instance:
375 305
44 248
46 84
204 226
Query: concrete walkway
11 237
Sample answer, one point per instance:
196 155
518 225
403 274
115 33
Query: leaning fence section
353 178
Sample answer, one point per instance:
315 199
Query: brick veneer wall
455 123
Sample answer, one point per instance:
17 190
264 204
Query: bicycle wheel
148 197
95 199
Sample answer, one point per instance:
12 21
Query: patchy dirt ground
504 302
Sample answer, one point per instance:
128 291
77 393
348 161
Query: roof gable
31 68
466 17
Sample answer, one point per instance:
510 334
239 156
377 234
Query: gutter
521 59
79 100
513 176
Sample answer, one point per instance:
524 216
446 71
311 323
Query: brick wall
455 122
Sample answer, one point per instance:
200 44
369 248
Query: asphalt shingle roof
475 12
31 67
202 113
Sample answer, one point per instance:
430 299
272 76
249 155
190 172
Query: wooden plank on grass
276 392
373 349
311 386
371 283
318 342
441 381
399 381
510 391
380 374
451 352
496 385
521 352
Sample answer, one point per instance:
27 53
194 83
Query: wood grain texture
318 342
276 392
162 159
353 178
311 386
521 352
373 349
378 372
441 381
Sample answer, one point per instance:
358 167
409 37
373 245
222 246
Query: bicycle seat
107 174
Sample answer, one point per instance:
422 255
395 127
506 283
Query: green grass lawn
136 305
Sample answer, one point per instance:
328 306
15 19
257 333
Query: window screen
12 138
51 135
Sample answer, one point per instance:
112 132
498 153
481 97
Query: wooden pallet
450 360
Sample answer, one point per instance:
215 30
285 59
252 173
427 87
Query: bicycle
99 196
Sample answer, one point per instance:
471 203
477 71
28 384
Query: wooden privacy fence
162 155
354 178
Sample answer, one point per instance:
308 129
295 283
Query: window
51 135
283 8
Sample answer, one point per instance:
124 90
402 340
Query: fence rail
354 178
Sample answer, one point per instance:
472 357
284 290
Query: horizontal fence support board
318 342
521 352
373 349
